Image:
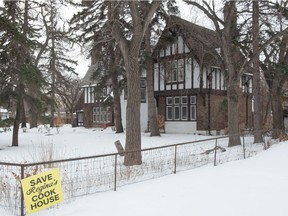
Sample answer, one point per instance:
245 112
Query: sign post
42 191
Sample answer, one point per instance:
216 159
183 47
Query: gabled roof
204 43
87 79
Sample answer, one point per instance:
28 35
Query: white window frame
193 108
182 116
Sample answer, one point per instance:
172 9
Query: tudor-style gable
95 111
189 79
187 58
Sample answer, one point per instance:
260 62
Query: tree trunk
133 129
278 121
256 78
228 47
130 52
20 64
53 70
277 109
17 119
115 64
25 54
16 124
23 115
233 114
152 110
117 107
33 117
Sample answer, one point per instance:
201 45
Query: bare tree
234 62
130 48
69 92
275 64
227 36
258 123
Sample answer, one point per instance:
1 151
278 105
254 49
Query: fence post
115 173
175 160
215 152
22 195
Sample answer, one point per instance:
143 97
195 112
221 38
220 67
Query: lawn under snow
74 142
250 187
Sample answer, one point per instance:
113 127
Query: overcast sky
186 12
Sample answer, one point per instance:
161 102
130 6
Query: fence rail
86 175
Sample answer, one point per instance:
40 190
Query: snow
75 142
250 187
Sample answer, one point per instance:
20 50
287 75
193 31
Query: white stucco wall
180 127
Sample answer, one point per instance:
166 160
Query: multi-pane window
215 79
101 114
175 71
184 108
192 107
169 108
177 108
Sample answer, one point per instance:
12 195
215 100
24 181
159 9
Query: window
184 113
174 48
193 108
184 108
176 112
162 53
216 73
177 108
169 108
143 90
175 71
101 114
217 79
176 100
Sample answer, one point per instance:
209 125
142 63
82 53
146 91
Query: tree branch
209 13
261 48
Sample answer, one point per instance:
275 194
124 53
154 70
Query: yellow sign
42 191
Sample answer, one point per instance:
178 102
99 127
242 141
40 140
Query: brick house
92 111
189 85
189 80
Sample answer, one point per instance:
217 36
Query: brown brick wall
219 111
88 117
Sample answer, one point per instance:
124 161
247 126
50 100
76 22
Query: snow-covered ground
255 186
74 142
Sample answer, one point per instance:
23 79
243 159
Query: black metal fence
87 175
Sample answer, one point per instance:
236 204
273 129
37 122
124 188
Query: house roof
87 79
204 43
